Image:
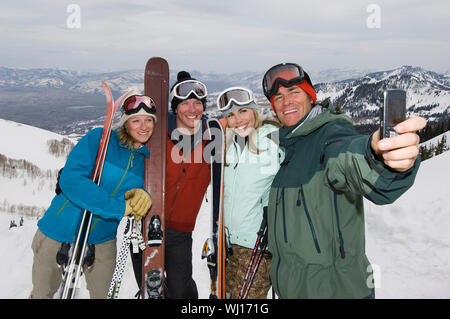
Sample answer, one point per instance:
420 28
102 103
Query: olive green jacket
316 213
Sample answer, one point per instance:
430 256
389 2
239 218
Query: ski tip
157 59
106 88
119 101
158 62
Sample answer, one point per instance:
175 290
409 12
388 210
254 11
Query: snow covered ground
15 248
408 242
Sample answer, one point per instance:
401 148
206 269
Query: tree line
23 210
13 168
430 131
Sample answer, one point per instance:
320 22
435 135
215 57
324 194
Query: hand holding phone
398 148
393 111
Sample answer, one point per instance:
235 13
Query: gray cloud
225 36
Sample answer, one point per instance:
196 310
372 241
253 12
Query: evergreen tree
338 109
442 146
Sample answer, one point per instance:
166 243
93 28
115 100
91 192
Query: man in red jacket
187 178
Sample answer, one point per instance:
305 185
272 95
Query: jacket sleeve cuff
390 184
379 166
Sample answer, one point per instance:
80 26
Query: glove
139 201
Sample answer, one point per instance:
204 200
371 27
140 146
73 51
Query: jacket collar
318 116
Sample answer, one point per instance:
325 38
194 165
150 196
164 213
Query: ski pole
261 235
261 254
249 267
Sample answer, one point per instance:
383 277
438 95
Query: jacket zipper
341 239
130 163
177 189
311 226
284 215
236 170
275 235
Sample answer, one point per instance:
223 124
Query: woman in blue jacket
251 162
121 192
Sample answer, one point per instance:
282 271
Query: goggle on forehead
238 95
286 74
184 89
134 103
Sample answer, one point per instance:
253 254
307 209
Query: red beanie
305 86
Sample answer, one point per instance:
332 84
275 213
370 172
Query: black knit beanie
181 77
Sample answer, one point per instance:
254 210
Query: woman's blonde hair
125 138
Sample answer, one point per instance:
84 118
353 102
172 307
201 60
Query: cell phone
393 111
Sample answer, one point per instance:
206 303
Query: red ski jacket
187 178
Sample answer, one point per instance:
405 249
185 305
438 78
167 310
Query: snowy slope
15 270
24 142
408 241
20 141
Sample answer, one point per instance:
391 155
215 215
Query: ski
214 248
156 85
73 269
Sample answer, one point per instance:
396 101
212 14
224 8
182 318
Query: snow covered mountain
67 101
428 93
407 241
84 82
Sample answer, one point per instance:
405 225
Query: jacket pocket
308 216
328 143
62 207
286 216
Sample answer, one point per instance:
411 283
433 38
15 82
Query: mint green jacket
247 181
316 212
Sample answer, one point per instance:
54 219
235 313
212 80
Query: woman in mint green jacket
251 162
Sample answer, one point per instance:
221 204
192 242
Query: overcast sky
225 36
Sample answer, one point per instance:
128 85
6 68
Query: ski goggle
134 103
286 74
184 89
238 95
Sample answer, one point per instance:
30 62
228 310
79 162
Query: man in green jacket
316 213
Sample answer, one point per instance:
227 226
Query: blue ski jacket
123 170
